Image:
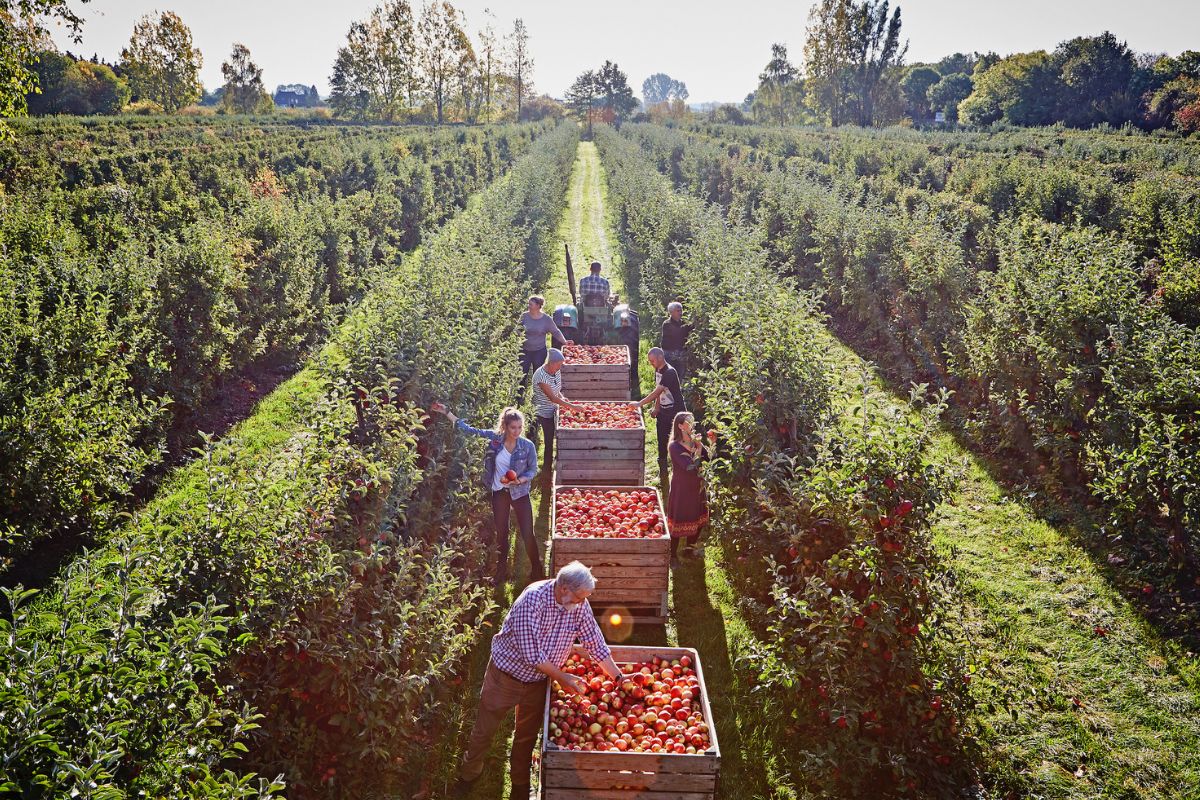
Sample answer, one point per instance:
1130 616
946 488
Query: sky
716 48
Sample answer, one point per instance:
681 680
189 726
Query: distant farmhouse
296 95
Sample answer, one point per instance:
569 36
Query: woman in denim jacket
508 453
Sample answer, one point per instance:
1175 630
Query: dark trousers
502 502
500 693
545 427
663 422
678 360
530 361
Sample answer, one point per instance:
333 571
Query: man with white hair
538 635
674 338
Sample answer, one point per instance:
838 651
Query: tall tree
375 73
615 94
875 48
826 57
1097 74
468 79
244 90
850 48
441 47
161 62
773 96
662 88
583 97
916 84
488 58
520 63
23 34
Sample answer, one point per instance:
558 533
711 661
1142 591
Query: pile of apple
596 354
601 415
654 709
607 514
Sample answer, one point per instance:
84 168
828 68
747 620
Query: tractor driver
594 285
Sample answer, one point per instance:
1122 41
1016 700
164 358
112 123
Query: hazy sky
718 49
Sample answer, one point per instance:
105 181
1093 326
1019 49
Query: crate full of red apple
603 443
622 534
649 733
596 372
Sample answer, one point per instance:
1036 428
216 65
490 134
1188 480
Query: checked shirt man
539 633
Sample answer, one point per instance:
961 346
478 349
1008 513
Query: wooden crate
567 774
631 574
600 456
597 381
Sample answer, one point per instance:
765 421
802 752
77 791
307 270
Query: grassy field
1085 699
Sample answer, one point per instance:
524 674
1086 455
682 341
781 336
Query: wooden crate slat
619 794
610 548
610 779
658 763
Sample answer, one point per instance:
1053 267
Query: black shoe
519 792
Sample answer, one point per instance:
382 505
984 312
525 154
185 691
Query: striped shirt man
542 406
537 629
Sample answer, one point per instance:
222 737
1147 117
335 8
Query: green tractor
596 317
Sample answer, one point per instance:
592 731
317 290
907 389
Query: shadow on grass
1138 567
700 625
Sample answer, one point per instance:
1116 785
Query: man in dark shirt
674 338
667 398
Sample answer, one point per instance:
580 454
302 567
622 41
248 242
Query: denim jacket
523 462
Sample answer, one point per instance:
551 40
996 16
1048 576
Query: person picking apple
509 466
667 398
537 637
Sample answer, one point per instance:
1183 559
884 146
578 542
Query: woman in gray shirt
537 327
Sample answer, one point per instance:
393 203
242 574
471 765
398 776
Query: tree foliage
67 86
850 49
662 88
162 63
244 90
23 34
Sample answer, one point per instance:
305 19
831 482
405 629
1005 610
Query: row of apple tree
822 511
298 600
139 285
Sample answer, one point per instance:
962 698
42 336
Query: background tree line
854 73
401 65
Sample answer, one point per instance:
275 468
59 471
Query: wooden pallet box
569 774
582 381
631 574
600 456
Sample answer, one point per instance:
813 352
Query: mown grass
1104 706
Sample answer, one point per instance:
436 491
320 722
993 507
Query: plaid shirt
537 630
594 284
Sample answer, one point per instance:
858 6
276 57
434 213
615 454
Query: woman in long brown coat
687 511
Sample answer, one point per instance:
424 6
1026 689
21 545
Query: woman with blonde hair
687 512
509 467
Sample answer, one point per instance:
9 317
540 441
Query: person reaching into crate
687 511
667 398
509 466
537 637
547 399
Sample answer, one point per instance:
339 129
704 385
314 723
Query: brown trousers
501 692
